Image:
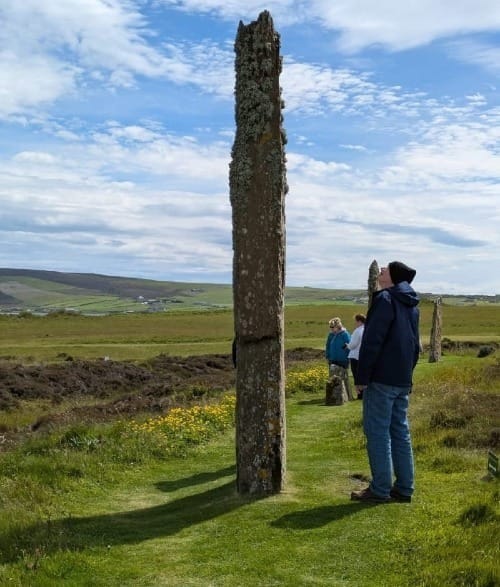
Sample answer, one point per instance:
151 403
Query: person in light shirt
354 346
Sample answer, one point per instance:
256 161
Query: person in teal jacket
336 350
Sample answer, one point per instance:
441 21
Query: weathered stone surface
435 341
257 188
373 272
335 389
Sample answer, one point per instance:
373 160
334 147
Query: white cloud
354 147
390 23
286 11
477 53
403 25
31 81
435 202
205 65
109 43
312 89
139 192
376 170
68 199
309 167
48 48
309 88
109 34
338 217
182 160
462 151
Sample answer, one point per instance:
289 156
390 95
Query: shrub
182 427
79 438
444 419
473 576
485 350
477 514
310 380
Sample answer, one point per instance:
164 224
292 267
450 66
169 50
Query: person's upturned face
384 278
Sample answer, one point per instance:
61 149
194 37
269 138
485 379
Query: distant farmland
50 291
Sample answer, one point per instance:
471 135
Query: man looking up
388 355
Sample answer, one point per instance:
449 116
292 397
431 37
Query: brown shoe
368 496
396 496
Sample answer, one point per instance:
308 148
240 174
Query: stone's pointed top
264 25
265 15
263 20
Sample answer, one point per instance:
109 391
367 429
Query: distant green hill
46 291
89 293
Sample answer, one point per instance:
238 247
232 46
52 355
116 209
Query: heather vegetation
147 497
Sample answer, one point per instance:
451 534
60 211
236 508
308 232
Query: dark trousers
354 371
354 368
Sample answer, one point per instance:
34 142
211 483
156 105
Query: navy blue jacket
391 344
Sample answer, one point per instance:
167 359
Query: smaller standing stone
435 342
336 389
373 272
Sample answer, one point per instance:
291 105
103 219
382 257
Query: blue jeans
385 423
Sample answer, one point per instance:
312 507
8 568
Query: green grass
106 511
141 336
47 295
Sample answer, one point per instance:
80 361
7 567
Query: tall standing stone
257 181
435 342
373 272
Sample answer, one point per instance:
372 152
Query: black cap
400 272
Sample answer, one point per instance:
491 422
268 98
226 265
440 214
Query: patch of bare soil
105 390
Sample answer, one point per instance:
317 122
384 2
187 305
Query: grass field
141 336
102 505
48 291
45 291
128 504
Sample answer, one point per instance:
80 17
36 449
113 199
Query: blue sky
117 121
